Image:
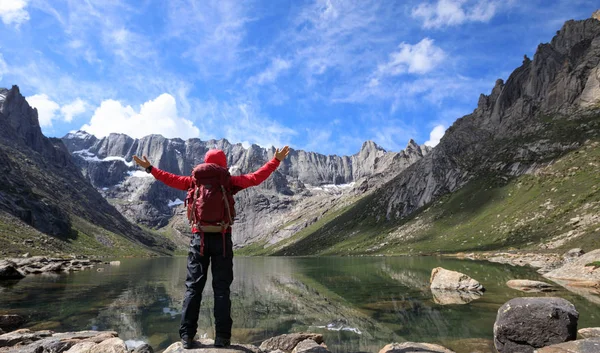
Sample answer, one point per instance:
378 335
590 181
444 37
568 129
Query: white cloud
435 136
277 66
75 108
46 108
446 13
13 11
158 116
415 59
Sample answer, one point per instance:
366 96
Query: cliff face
547 107
107 164
42 187
505 135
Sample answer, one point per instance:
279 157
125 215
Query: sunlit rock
525 285
446 279
410 347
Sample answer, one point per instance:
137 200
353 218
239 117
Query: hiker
211 213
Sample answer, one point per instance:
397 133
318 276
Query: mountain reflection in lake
358 303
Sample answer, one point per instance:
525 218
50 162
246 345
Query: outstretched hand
280 155
142 163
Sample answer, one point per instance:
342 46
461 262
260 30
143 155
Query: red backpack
210 200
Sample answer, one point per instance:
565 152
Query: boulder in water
526 285
524 324
409 347
446 279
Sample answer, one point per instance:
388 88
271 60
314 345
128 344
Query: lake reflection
358 303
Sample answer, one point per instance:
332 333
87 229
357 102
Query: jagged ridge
42 187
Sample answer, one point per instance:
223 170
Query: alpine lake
359 304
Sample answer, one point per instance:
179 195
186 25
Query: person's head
217 157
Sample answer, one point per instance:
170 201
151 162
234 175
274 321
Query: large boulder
410 347
523 324
11 322
588 345
288 342
526 285
452 280
8 270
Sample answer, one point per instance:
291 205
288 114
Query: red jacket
240 181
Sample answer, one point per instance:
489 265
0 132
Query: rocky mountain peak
596 14
371 146
412 145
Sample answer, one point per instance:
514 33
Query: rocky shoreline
17 268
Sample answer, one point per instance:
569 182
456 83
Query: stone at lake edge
206 346
8 270
523 324
144 348
288 342
588 345
446 279
409 347
526 285
11 322
576 270
310 346
589 332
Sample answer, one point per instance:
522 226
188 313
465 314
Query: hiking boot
187 343
222 342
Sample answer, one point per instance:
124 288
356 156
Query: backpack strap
226 201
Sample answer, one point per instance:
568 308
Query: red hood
217 157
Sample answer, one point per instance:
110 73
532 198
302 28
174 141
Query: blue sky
319 75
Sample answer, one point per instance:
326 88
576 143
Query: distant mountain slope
41 188
263 212
547 107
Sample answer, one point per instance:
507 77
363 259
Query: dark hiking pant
199 258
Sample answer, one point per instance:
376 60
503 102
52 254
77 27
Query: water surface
358 303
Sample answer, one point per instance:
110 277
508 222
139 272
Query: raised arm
254 179
169 179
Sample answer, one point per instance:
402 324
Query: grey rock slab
206 346
576 270
524 324
588 345
111 345
82 347
22 336
288 342
410 347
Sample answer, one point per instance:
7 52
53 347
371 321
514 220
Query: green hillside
556 207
